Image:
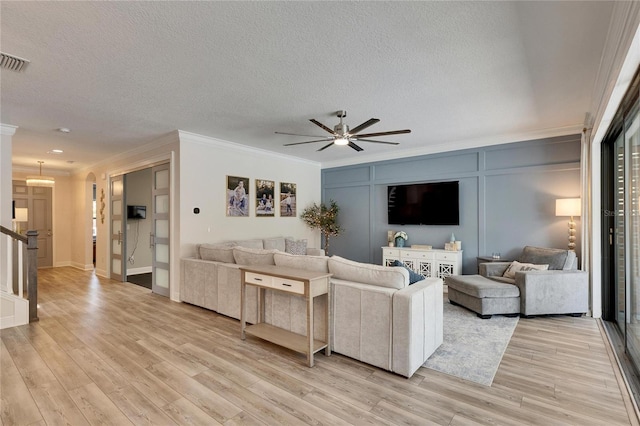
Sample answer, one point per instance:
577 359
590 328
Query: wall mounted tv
136 212
433 203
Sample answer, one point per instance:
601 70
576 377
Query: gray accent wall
507 199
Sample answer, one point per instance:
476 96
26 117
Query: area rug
472 348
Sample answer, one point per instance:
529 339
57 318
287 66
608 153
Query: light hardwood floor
105 352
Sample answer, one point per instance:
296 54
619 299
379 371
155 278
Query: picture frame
265 198
237 196
288 196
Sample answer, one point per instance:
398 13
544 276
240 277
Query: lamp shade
22 214
568 207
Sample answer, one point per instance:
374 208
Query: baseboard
62 264
141 270
101 273
82 267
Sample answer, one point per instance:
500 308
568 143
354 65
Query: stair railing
21 267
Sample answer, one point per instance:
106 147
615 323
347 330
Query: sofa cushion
276 243
413 276
254 244
251 256
503 279
216 252
557 259
309 263
522 267
366 273
481 287
295 247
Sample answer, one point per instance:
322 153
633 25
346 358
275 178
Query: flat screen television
433 203
136 212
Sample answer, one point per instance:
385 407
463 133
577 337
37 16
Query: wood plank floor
106 352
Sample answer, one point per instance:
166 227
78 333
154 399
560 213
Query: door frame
174 249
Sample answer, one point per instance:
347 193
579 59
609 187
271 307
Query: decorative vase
399 242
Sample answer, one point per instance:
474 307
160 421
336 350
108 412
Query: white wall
205 163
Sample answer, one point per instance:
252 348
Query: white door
38 202
160 230
117 228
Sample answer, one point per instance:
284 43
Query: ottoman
484 296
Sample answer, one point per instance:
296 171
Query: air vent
13 63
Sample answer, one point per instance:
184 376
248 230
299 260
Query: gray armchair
560 290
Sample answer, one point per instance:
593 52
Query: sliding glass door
621 231
632 233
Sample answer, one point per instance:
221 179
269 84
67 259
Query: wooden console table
307 284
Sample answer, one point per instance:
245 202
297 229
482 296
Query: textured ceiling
457 74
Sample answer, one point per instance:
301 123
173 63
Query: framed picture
237 201
265 191
287 199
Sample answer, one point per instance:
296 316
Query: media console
435 263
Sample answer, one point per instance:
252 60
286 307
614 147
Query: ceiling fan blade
300 143
325 147
369 122
371 140
354 146
298 134
393 132
322 126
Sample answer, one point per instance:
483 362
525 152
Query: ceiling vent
13 63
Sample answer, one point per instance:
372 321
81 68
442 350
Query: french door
160 229
118 249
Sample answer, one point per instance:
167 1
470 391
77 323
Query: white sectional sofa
376 316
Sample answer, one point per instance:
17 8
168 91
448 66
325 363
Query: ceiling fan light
341 141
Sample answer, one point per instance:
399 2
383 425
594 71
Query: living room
509 180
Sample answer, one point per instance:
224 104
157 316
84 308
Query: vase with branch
324 218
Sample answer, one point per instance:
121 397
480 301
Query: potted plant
400 238
323 218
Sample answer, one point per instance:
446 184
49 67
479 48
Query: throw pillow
413 276
276 243
522 267
250 256
218 253
298 248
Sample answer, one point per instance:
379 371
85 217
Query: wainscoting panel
507 198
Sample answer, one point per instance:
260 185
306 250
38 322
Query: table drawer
285 284
259 279
451 257
390 252
417 255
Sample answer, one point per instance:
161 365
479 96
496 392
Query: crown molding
166 139
233 146
459 145
7 129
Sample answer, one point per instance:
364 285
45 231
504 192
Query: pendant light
40 180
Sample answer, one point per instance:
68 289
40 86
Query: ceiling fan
341 135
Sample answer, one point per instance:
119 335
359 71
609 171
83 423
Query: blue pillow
413 277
